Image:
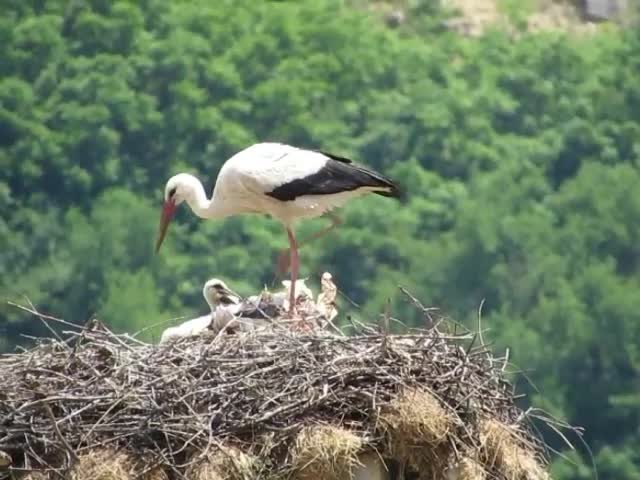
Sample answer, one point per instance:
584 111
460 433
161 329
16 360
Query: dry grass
504 451
325 452
227 463
103 465
35 476
467 468
416 427
107 464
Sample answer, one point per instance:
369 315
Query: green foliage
520 158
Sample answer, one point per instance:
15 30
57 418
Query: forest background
519 149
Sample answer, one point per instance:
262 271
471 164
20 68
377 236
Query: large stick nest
266 404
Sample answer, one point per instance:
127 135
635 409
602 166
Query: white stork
217 295
282 181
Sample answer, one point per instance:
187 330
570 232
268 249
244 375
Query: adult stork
285 182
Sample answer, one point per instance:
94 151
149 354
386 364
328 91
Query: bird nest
272 404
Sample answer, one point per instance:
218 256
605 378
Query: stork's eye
172 192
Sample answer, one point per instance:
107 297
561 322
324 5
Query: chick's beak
168 210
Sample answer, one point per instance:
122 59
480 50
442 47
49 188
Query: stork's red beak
168 209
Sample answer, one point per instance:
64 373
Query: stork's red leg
293 247
285 256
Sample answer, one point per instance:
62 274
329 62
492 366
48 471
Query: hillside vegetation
521 159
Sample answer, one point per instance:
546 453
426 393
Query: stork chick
216 294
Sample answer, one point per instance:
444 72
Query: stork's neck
211 303
200 204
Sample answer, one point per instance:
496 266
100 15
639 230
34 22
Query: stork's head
216 293
176 191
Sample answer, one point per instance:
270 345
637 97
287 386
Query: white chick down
302 292
326 298
217 294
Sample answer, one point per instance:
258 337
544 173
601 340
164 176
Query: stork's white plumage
242 317
300 291
282 181
186 329
247 314
217 295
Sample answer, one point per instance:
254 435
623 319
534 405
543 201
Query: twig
61 437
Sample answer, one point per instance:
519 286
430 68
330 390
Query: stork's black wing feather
335 157
338 174
261 310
